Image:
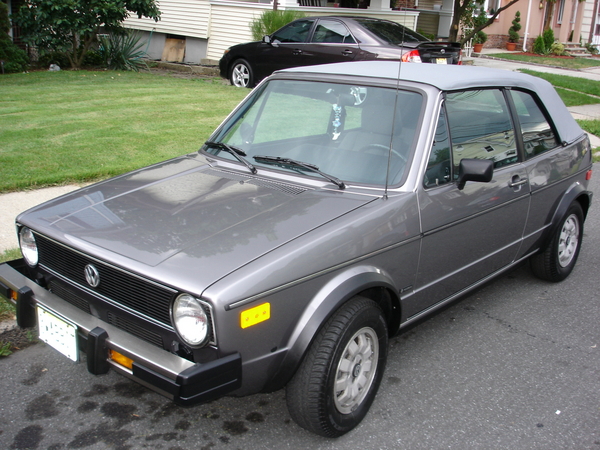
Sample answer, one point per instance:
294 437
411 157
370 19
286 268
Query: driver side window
294 32
481 127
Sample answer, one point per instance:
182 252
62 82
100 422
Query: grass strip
582 85
567 63
62 127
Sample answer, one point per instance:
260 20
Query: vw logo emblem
442 51
92 276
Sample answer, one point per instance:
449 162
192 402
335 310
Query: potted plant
480 37
513 32
478 41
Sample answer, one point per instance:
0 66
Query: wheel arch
576 193
367 281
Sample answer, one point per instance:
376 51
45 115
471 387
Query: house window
491 6
560 12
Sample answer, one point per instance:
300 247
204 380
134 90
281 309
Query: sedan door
286 49
331 42
470 233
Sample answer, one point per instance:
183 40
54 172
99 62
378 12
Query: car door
471 233
331 42
287 47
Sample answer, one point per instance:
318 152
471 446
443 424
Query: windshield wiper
238 153
292 162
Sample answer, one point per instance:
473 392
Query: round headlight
28 246
190 320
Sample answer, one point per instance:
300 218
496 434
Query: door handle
347 53
517 181
297 52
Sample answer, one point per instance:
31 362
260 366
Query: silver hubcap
356 370
240 75
568 240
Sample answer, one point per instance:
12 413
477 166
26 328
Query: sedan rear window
391 32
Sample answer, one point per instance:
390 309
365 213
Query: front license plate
441 61
58 333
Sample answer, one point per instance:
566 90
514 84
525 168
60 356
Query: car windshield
344 131
391 32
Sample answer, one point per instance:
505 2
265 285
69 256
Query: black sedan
320 40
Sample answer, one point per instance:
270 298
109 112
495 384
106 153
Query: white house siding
179 17
230 21
230 25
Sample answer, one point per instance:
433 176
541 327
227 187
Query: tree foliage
14 59
71 26
463 18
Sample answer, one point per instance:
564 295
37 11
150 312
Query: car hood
214 218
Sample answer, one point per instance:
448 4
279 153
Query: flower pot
477 48
511 46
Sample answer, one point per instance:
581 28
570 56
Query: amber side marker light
255 315
121 359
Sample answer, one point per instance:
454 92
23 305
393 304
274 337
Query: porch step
575 49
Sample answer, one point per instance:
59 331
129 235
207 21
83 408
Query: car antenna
387 175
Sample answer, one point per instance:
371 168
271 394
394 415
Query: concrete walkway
13 203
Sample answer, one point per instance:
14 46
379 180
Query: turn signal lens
121 359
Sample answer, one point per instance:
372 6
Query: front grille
135 329
118 286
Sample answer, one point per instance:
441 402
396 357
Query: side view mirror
481 170
266 39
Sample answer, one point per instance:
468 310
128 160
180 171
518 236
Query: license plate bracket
58 333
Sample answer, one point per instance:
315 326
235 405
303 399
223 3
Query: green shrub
15 59
548 38
48 57
93 58
123 52
271 21
513 31
539 46
558 49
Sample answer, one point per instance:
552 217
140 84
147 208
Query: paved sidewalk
13 203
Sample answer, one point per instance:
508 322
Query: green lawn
567 63
60 127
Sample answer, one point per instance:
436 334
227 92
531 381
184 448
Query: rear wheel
559 258
338 379
241 74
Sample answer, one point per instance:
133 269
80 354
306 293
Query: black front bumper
184 382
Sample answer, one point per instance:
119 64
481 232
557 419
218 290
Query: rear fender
576 192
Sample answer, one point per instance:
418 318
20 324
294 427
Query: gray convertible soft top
454 77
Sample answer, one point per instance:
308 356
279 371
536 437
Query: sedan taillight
412 56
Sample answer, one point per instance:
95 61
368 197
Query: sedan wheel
241 74
338 379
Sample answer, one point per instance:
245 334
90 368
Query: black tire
359 332
241 74
556 262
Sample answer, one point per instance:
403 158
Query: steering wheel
384 148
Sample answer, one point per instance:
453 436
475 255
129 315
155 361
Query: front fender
328 299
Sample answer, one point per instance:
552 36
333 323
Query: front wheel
338 379
559 258
241 74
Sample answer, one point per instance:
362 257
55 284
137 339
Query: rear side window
480 127
332 32
538 135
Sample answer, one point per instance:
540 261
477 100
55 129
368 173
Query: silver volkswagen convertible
336 205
